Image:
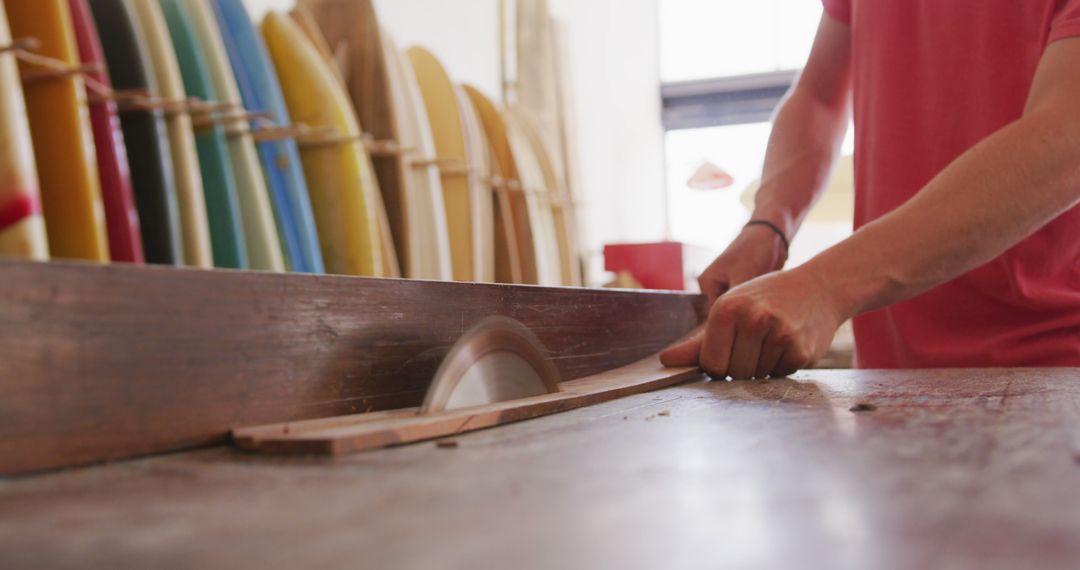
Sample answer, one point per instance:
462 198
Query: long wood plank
363 432
102 363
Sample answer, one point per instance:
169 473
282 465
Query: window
725 66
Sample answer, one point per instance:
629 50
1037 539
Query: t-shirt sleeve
1066 23
840 10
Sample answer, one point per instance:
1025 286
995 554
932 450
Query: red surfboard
121 216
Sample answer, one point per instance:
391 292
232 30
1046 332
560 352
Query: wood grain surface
953 469
105 363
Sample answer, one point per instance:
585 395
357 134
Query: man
967 249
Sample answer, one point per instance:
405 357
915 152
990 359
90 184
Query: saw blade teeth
498 360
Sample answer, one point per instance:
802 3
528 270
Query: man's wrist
778 232
760 234
850 291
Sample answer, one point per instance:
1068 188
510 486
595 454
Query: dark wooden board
103 363
955 469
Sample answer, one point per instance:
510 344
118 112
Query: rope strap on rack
234 116
21 44
52 68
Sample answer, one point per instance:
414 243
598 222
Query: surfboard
461 193
557 200
504 250
537 87
339 174
302 16
62 136
261 92
477 149
373 78
538 199
422 201
544 91
265 250
22 226
187 174
515 216
219 186
567 147
144 133
114 174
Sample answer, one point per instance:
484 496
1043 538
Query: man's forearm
992 197
805 143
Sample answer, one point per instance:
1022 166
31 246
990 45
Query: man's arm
808 132
995 195
992 197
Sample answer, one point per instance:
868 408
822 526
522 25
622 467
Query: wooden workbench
953 469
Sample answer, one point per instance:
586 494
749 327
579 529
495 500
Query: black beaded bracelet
775 228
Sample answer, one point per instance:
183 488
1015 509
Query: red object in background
658 266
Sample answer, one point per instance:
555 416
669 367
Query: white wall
614 44
615 47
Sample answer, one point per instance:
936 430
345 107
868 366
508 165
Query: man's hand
754 253
769 327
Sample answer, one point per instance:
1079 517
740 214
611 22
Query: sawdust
447 444
665 413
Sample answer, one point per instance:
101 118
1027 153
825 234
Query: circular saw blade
497 361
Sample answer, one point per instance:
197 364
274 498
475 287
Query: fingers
718 341
712 288
794 360
772 351
684 353
746 353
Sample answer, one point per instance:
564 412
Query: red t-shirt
931 79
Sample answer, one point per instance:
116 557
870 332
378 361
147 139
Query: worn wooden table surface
958 469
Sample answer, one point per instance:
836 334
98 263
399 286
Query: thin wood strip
169 106
279 132
200 107
229 117
446 166
21 44
51 74
352 434
119 96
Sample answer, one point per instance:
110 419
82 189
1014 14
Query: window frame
725 101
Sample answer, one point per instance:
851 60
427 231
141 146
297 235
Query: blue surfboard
219 183
261 92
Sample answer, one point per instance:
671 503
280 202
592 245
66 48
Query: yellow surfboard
186 171
347 34
339 174
22 227
516 216
303 18
260 230
444 115
63 140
